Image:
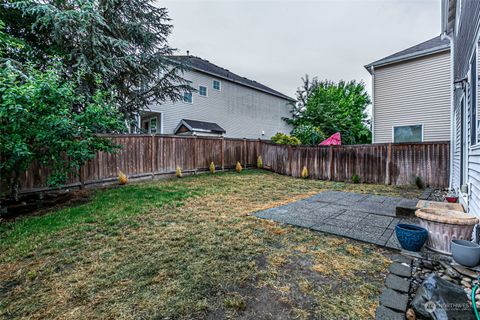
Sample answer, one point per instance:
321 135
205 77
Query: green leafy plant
309 134
332 107
259 162
355 178
37 124
282 138
419 182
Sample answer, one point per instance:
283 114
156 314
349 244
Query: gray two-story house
411 94
461 23
223 104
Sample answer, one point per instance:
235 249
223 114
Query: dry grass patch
187 249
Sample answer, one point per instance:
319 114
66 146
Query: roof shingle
206 66
427 47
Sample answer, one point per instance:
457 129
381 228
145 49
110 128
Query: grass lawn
188 249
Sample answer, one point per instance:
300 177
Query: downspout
373 103
452 113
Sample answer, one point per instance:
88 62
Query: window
408 134
202 91
187 97
216 85
153 125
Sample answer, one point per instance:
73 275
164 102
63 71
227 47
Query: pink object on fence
334 140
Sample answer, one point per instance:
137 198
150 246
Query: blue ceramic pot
410 236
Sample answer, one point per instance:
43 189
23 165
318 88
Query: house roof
202 126
207 67
431 46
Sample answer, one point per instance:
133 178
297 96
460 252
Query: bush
212 167
304 173
238 167
356 178
38 122
309 134
282 138
419 183
259 162
178 172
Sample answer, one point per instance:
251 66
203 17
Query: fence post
222 152
195 154
330 164
388 164
290 160
82 177
245 152
152 155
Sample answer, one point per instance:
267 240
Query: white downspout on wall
373 105
452 109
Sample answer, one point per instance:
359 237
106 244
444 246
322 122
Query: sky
277 42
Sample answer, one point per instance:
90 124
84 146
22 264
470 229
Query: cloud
277 42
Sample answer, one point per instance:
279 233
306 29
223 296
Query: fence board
148 155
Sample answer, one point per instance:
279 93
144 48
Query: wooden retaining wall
150 155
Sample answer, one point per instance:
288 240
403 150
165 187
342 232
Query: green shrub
259 162
282 138
309 134
419 183
355 178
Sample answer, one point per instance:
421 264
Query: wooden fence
147 155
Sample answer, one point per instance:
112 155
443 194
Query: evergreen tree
121 42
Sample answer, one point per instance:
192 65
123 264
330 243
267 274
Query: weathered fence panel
144 155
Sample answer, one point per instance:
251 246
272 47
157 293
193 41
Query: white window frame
191 97
408 125
156 125
219 85
206 91
149 119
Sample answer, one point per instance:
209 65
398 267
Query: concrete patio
364 217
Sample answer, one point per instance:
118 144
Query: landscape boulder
439 299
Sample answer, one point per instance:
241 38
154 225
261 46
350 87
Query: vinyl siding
413 92
464 43
242 111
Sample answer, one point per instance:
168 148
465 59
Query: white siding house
411 94
461 23
241 107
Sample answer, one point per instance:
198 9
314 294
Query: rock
400 269
396 283
435 294
450 271
383 313
465 271
428 264
410 315
466 284
447 278
394 300
466 279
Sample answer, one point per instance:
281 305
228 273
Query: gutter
452 112
406 57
